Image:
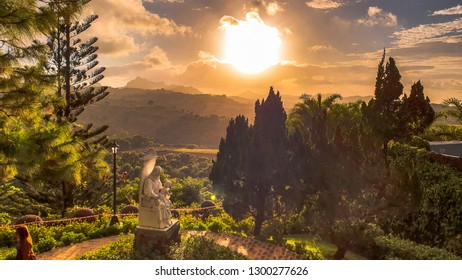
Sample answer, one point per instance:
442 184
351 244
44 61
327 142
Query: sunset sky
326 46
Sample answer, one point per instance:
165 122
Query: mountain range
175 114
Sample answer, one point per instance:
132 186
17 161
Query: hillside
172 117
141 83
166 116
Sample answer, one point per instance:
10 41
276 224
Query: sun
251 46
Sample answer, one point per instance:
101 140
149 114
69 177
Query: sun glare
250 45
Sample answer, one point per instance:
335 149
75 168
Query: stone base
151 239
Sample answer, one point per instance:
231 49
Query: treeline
338 170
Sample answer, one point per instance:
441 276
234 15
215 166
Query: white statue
166 215
153 209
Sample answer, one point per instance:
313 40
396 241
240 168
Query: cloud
446 32
117 45
457 10
124 26
377 16
322 48
270 7
167 1
157 58
324 4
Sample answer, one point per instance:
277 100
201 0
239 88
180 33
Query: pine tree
75 64
21 87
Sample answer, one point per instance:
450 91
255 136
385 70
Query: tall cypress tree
252 162
228 171
268 158
391 116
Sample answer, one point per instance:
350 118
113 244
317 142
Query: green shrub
47 237
426 204
7 253
5 218
7 237
72 237
307 251
45 244
188 222
201 248
119 250
390 247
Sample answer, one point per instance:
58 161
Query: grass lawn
327 249
196 151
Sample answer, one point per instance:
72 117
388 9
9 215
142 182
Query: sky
326 46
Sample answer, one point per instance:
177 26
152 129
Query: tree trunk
258 224
260 217
340 254
385 157
67 73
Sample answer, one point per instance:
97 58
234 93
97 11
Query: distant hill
290 100
171 117
141 83
166 116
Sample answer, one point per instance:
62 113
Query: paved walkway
251 248
73 251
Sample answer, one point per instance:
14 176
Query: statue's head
157 171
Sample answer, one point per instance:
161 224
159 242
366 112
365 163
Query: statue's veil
149 161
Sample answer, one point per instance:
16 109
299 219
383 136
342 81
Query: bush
5 218
28 219
45 244
7 253
307 251
7 237
45 238
188 222
119 250
391 248
129 209
200 248
425 206
84 212
72 237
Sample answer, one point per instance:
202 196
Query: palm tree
309 118
455 108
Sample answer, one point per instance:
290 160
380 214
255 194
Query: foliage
201 248
251 163
392 248
220 223
334 158
7 253
392 117
122 249
443 132
187 191
305 250
424 203
48 237
182 165
455 108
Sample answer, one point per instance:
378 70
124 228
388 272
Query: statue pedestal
152 239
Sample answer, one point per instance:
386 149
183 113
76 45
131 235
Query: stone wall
452 161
